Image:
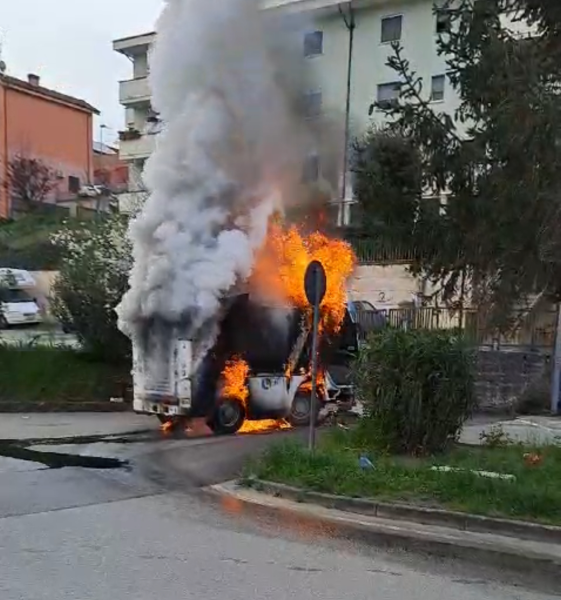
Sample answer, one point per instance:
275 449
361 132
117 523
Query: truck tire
228 417
301 409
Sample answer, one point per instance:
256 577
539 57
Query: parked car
17 305
367 317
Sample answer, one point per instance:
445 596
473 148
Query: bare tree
30 181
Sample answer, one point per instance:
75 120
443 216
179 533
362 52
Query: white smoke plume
230 149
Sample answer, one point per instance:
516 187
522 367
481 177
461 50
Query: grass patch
49 374
534 495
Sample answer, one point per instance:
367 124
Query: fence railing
377 251
532 330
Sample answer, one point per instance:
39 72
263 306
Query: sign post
315 285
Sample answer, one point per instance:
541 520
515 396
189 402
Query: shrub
92 279
417 387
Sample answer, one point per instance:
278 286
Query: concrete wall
386 287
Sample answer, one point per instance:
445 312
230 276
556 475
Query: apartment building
345 48
136 141
42 123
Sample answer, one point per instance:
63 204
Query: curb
549 534
56 407
519 556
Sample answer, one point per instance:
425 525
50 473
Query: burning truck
225 81
256 374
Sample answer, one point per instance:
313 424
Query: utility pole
556 366
350 24
102 128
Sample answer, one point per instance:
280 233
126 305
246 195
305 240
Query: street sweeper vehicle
258 368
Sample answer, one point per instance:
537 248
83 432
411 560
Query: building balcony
315 6
134 91
135 44
134 147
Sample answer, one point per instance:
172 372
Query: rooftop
32 86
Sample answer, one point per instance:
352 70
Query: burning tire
228 417
301 410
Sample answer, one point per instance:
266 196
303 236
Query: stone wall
503 375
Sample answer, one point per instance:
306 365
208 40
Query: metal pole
313 399
556 366
350 25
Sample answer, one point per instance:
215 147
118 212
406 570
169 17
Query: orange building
47 125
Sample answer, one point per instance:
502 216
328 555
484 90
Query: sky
68 43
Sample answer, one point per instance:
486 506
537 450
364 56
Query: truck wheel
301 409
3 322
228 417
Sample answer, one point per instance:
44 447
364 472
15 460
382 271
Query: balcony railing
137 148
134 91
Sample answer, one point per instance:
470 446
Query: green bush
417 387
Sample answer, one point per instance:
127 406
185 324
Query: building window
388 94
313 43
391 29
312 102
443 21
310 172
73 184
437 88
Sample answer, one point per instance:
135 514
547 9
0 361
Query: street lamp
102 128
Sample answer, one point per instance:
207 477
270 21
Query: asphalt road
149 532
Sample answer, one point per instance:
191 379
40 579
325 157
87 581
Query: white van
17 304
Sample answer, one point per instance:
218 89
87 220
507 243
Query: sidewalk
531 430
16 426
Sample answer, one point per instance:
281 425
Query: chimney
33 79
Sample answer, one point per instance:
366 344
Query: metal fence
376 251
535 330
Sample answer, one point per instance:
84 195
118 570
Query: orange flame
281 264
234 386
234 378
278 275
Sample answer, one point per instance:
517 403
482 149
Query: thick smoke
230 152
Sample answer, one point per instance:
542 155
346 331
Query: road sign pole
315 286
313 398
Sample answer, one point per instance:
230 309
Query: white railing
133 91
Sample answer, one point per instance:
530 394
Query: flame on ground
264 425
167 427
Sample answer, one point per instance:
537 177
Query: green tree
92 280
496 158
387 180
